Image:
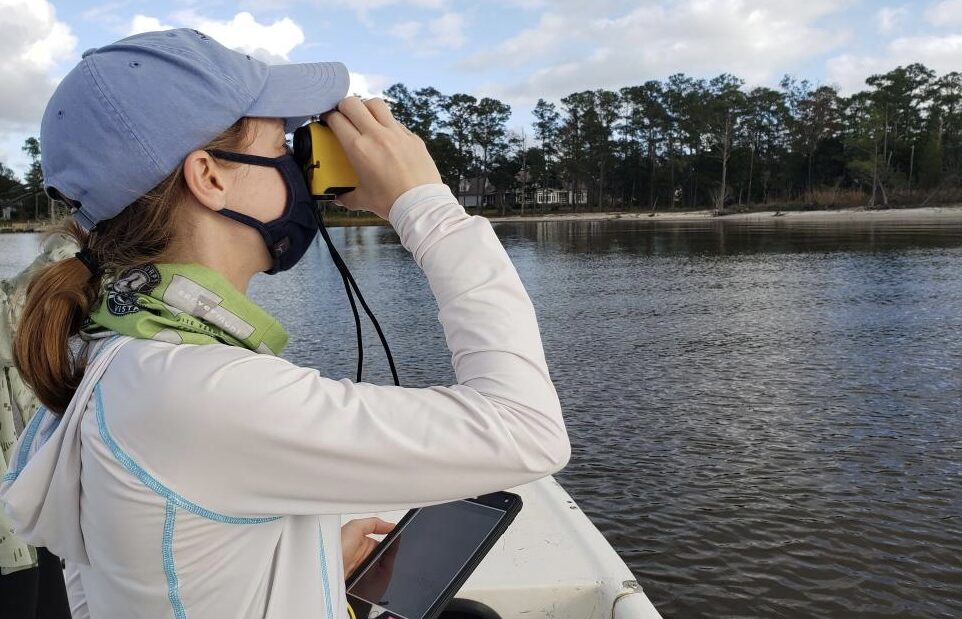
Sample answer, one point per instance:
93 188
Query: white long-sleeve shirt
209 479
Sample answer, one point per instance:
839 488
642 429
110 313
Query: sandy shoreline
927 213
902 215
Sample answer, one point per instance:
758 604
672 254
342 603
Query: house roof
473 186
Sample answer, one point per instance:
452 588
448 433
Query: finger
359 115
343 129
368 547
361 525
381 527
380 110
348 200
376 526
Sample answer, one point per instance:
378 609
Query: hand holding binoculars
361 156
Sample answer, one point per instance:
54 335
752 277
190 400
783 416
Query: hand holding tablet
416 570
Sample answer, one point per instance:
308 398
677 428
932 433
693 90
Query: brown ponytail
61 295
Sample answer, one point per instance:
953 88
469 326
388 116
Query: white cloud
528 4
945 13
269 42
447 31
32 43
940 53
58 43
755 39
888 18
848 71
428 38
366 85
528 45
143 23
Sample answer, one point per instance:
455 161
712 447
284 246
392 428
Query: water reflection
729 237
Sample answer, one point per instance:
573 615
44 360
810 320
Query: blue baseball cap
129 113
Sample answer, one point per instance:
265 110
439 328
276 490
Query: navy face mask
289 236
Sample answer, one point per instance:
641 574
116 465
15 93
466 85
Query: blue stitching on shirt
167 550
34 426
25 443
327 588
149 481
46 434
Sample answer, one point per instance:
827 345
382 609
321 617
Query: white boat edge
553 563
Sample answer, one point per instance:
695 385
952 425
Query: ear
207 180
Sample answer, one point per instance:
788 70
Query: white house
550 196
470 194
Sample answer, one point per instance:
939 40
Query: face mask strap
274 162
245 158
276 248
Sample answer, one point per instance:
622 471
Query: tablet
420 565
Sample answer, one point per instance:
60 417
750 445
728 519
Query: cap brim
295 92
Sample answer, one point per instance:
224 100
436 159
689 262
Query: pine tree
930 158
33 179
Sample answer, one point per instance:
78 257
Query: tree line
25 195
688 142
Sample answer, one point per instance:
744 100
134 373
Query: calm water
765 418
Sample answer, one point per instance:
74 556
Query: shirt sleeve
252 434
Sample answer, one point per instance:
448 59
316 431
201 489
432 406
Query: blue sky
516 50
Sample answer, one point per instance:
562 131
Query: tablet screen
421 561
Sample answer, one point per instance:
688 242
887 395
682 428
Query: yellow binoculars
323 160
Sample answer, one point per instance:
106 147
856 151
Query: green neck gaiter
184 304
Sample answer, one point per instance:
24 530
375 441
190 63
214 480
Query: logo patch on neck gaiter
122 292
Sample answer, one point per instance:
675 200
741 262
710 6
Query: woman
186 470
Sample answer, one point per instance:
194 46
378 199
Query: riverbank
23 226
922 213
953 212
926 213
